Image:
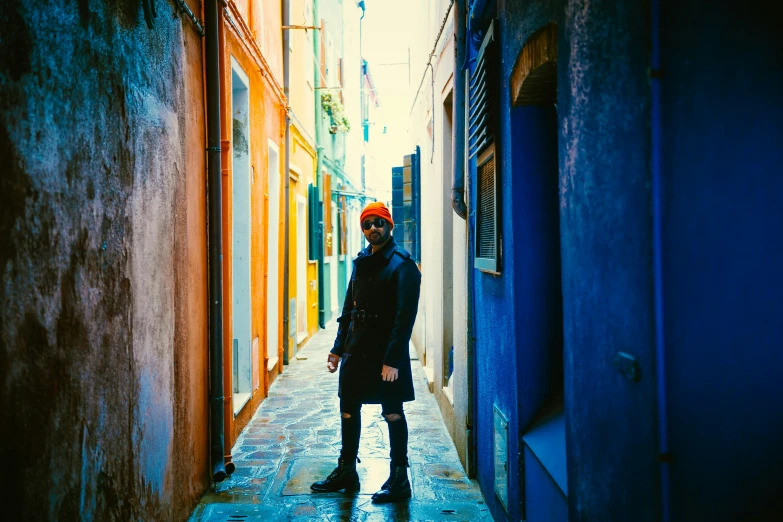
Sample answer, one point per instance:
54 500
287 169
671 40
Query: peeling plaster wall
103 359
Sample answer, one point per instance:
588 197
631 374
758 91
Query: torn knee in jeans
346 415
392 417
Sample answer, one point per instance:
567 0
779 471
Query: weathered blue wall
722 157
512 318
606 254
535 225
546 502
721 286
495 342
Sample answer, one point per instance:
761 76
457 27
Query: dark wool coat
375 326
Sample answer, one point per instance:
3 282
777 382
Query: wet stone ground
294 440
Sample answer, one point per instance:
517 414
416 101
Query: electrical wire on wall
434 49
432 88
432 72
301 127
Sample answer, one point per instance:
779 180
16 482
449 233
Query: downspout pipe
319 236
287 241
318 176
664 451
470 225
215 241
458 172
226 172
459 198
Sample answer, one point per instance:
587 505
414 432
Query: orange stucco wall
191 424
266 117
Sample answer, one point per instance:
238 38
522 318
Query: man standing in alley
372 349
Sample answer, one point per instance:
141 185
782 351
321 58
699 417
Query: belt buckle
361 314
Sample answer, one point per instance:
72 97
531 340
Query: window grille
486 246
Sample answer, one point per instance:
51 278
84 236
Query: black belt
362 316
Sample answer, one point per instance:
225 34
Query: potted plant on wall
334 109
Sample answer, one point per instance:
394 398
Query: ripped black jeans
352 427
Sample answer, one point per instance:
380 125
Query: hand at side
389 374
332 361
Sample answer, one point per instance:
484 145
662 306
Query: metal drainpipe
657 204
462 186
318 177
471 305
320 231
471 358
458 172
225 159
215 241
287 242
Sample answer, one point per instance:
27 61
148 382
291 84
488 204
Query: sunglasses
378 222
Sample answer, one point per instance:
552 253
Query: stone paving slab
296 475
238 512
294 439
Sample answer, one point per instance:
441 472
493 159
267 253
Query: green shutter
416 197
406 203
408 217
397 203
312 223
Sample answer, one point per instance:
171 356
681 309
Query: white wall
301 268
273 252
240 236
333 298
443 313
351 92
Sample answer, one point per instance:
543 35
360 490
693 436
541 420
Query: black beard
379 240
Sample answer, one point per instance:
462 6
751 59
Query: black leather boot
397 487
344 477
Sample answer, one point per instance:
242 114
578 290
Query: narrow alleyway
294 439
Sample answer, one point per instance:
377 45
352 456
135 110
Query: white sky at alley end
387 36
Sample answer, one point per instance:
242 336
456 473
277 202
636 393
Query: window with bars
486 212
482 111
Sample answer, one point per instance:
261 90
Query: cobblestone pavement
294 440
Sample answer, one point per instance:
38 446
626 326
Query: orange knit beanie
377 208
